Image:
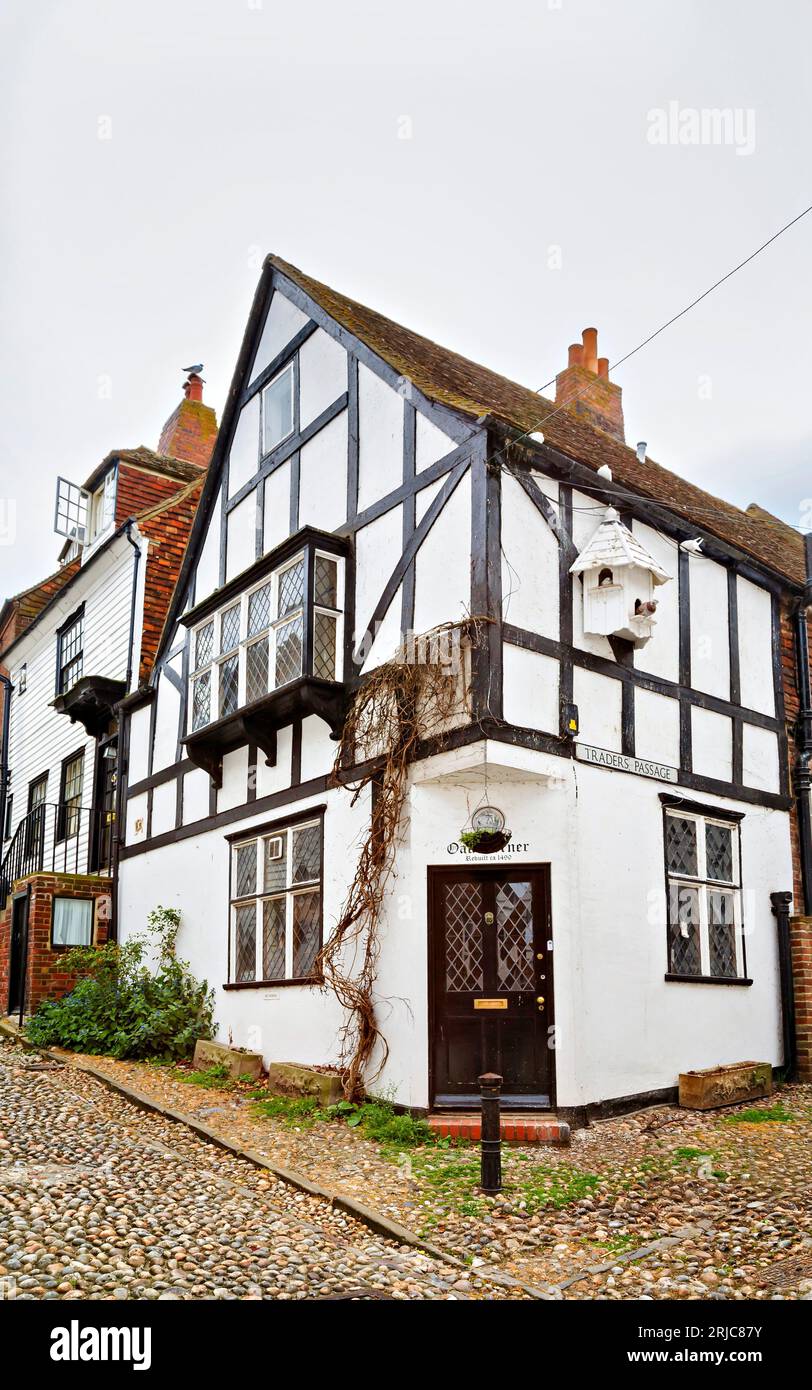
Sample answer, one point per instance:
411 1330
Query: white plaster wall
241 530
277 507
207 570
710 655
599 709
234 790
621 1028
760 758
442 590
755 647
318 749
323 477
164 800
138 759
425 497
322 374
276 778
712 744
378 548
431 443
167 719
282 323
656 727
530 689
195 795
380 445
530 552
243 458
660 655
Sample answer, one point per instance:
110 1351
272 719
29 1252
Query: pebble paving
101 1200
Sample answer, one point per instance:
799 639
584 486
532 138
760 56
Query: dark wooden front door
491 977
104 807
18 951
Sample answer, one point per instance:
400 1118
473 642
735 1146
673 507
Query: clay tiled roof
19 612
451 380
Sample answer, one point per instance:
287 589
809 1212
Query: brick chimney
191 430
584 387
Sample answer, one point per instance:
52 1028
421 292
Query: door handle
540 999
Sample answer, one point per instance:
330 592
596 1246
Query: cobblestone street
99 1199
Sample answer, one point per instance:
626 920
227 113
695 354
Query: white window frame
258 897
102 506
265 449
269 635
336 613
704 886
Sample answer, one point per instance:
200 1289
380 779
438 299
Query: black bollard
490 1086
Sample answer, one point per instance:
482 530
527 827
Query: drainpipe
803 734
117 835
781 903
5 681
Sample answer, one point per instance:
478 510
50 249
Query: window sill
706 980
311 980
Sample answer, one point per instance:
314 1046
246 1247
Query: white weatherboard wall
40 738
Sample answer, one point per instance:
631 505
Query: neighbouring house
73 647
597 834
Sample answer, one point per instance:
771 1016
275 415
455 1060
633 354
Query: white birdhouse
619 576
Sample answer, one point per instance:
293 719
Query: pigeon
693 547
645 609
537 436
195 370
605 472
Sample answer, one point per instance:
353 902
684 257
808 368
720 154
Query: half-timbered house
620 750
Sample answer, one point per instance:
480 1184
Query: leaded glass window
276 904
704 897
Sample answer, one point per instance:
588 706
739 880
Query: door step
515 1128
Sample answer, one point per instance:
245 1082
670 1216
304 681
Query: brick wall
800 926
46 976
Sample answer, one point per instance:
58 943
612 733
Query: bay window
287 625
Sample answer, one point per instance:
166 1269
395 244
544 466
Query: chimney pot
603 367
576 355
590 337
193 388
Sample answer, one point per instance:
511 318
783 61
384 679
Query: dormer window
102 507
258 643
277 410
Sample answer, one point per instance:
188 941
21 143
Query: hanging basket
485 841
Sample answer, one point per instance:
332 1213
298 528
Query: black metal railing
56 836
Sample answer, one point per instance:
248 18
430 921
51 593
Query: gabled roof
612 545
465 386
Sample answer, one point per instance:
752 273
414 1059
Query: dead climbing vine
411 699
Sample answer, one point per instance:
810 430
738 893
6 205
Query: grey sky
242 126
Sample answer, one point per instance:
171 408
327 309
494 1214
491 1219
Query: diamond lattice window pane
201 700
230 629
324 646
463 938
229 682
276 864
259 610
306 858
291 589
722 934
514 936
680 845
204 645
719 851
326 582
245 943
684 952
256 670
245 869
273 939
306 933
288 652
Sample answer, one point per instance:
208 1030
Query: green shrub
122 1006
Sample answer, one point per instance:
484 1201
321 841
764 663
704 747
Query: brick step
516 1128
